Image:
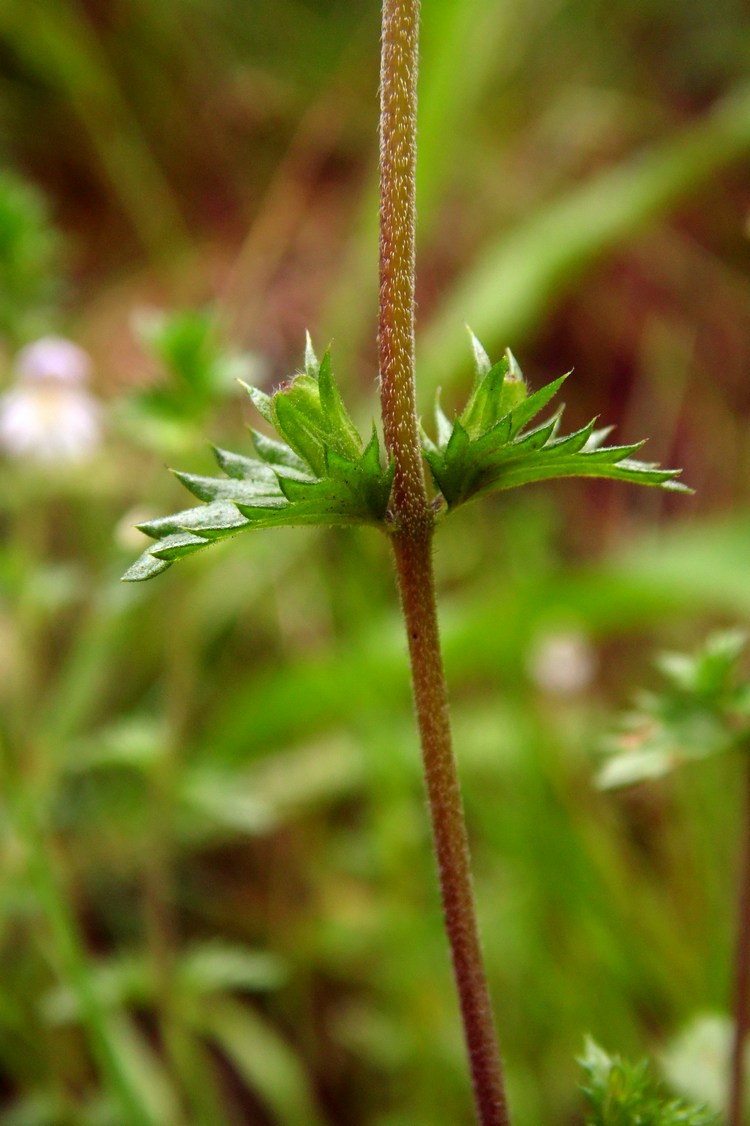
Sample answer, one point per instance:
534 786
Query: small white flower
563 663
48 416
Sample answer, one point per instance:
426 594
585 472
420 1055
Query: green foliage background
217 899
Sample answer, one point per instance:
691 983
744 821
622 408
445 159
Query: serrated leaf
319 473
619 1093
703 709
489 447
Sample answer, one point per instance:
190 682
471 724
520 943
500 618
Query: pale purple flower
48 415
53 359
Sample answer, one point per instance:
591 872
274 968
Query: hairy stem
414 565
412 542
398 156
741 995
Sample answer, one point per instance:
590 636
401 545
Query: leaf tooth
343 434
613 454
229 488
496 437
297 490
514 368
486 402
459 442
234 465
573 443
218 514
443 425
369 462
312 364
531 406
537 438
597 438
261 401
277 453
482 362
428 446
147 566
175 546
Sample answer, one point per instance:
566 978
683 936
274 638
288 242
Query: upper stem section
398 150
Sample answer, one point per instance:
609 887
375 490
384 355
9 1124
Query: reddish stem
415 573
413 524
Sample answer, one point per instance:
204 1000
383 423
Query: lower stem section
416 582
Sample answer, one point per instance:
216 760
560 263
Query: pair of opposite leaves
320 471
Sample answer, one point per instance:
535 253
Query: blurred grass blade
60 48
69 953
266 1063
515 280
145 1070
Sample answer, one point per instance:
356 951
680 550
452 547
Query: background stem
741 997
412 542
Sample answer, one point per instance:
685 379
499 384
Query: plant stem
415 573
412 543
741 995
398 157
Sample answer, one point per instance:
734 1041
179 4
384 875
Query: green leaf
623 1094
278 454
298 418
145 567
220 514
263 483
344 437
482 362
489 448
317 473
312 364
499 391
702 710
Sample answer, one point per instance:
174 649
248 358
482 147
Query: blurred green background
217 897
